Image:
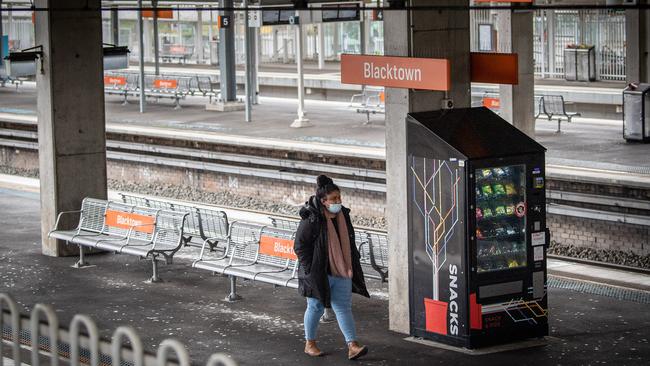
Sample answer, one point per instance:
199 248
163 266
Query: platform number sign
224 21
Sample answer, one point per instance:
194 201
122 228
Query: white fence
61 346
553 30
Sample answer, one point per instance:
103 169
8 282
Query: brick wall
596 234
361 202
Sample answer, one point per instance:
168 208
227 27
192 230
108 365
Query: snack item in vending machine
510 189
513 263
487 191
510 210
479 234
479 213
487 213
487 173
478 194
500 210
499 190
499 230
498 172
508 171
510 230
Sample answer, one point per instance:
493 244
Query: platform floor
585 143
266 328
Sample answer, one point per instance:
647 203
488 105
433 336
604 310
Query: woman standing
330 270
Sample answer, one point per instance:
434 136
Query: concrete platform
585 143
266 327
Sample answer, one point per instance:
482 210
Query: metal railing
554 30
46 339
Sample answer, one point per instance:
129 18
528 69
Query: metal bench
209 225
122 84
286 224
373 254
181 53
124 229
378 245
161 87
370 101
555 106
254 252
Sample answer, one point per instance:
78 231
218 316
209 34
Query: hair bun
323 180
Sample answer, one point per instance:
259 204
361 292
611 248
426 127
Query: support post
141 56
637 33
228 81
515 29
81 262
301 121
115 26
156 42
2 61
247 63
198 37
419 33
71 119
321 47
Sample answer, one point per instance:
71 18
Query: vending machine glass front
501 218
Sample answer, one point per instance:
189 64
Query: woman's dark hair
325 186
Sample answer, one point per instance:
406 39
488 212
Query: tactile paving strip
620 293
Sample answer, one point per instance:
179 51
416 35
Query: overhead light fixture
115 57
23 63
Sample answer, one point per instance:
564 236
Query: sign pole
247 63
155 37
141 45
301 121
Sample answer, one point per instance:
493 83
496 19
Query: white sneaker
328 316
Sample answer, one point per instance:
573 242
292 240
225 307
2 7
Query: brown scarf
340 254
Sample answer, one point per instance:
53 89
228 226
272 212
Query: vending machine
477 229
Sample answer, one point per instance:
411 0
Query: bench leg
154 277
232 296
559 122
81 262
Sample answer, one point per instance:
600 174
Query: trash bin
580 63
636 117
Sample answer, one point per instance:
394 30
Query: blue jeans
341 299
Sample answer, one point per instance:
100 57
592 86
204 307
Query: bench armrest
58 218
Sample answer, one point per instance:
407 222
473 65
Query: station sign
129 220
255 18
276 16
495 68
277 247
162 14
223 21
396 72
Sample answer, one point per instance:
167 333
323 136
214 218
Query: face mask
334 208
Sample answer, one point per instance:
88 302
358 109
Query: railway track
360 169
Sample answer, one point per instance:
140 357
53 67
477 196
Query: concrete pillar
115 26
435 34
2 61
156 45
515 30
148 44
637 33
198 37
71 125
228 82
321 46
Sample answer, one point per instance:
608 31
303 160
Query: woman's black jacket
311 248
